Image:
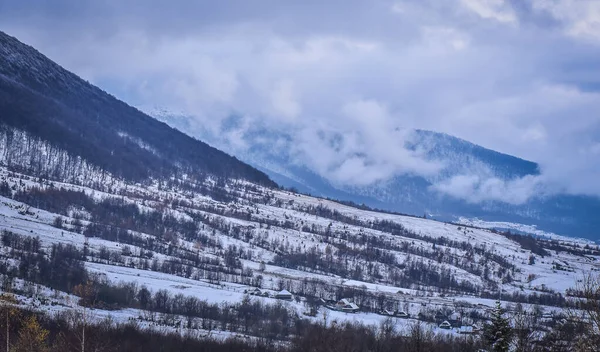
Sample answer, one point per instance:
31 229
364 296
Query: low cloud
345 85
284 100
475 189
578 18
498 10
362 148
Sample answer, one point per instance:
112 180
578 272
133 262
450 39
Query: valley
114 223
171 237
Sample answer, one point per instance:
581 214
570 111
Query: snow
543 275
154 281
522 228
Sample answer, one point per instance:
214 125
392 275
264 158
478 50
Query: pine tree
498 334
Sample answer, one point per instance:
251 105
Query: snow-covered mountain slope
273 152
217 242
51 121
94 193
298 238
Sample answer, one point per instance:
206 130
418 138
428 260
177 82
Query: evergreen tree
498 334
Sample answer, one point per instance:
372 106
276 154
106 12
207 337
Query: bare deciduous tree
587 312
8 302
525 331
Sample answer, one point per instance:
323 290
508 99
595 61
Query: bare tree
77 338
86 295
525 332
419 338
587 312
8 302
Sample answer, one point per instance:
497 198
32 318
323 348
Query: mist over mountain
181 244
68 125
472 181
275 176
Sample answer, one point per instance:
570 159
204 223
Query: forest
71 120
114 219
29 331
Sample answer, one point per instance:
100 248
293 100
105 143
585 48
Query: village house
446 325
455 319
402 315
256 292
466 330
439 316
284 294
345 305
387 312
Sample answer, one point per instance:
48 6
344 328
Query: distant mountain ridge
563 214
443 145
49 106
56 125
186 240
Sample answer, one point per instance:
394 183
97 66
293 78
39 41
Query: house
439 316
256 292
345 305
284 294
387 312
454 316
402 315
446 325
467 330
454 319
547 317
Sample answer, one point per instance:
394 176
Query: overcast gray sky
520 77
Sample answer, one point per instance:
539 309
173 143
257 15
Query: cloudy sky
520 77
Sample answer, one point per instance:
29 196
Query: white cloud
284 101
535 133
347 91
498 10
581 18
398 8
362 147
476 189
444 37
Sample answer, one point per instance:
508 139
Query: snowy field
260 255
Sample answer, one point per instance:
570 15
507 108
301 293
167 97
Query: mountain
412 194
103 207
168 259
55 111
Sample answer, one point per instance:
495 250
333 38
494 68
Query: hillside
103 207
181 241
51 110
569 215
